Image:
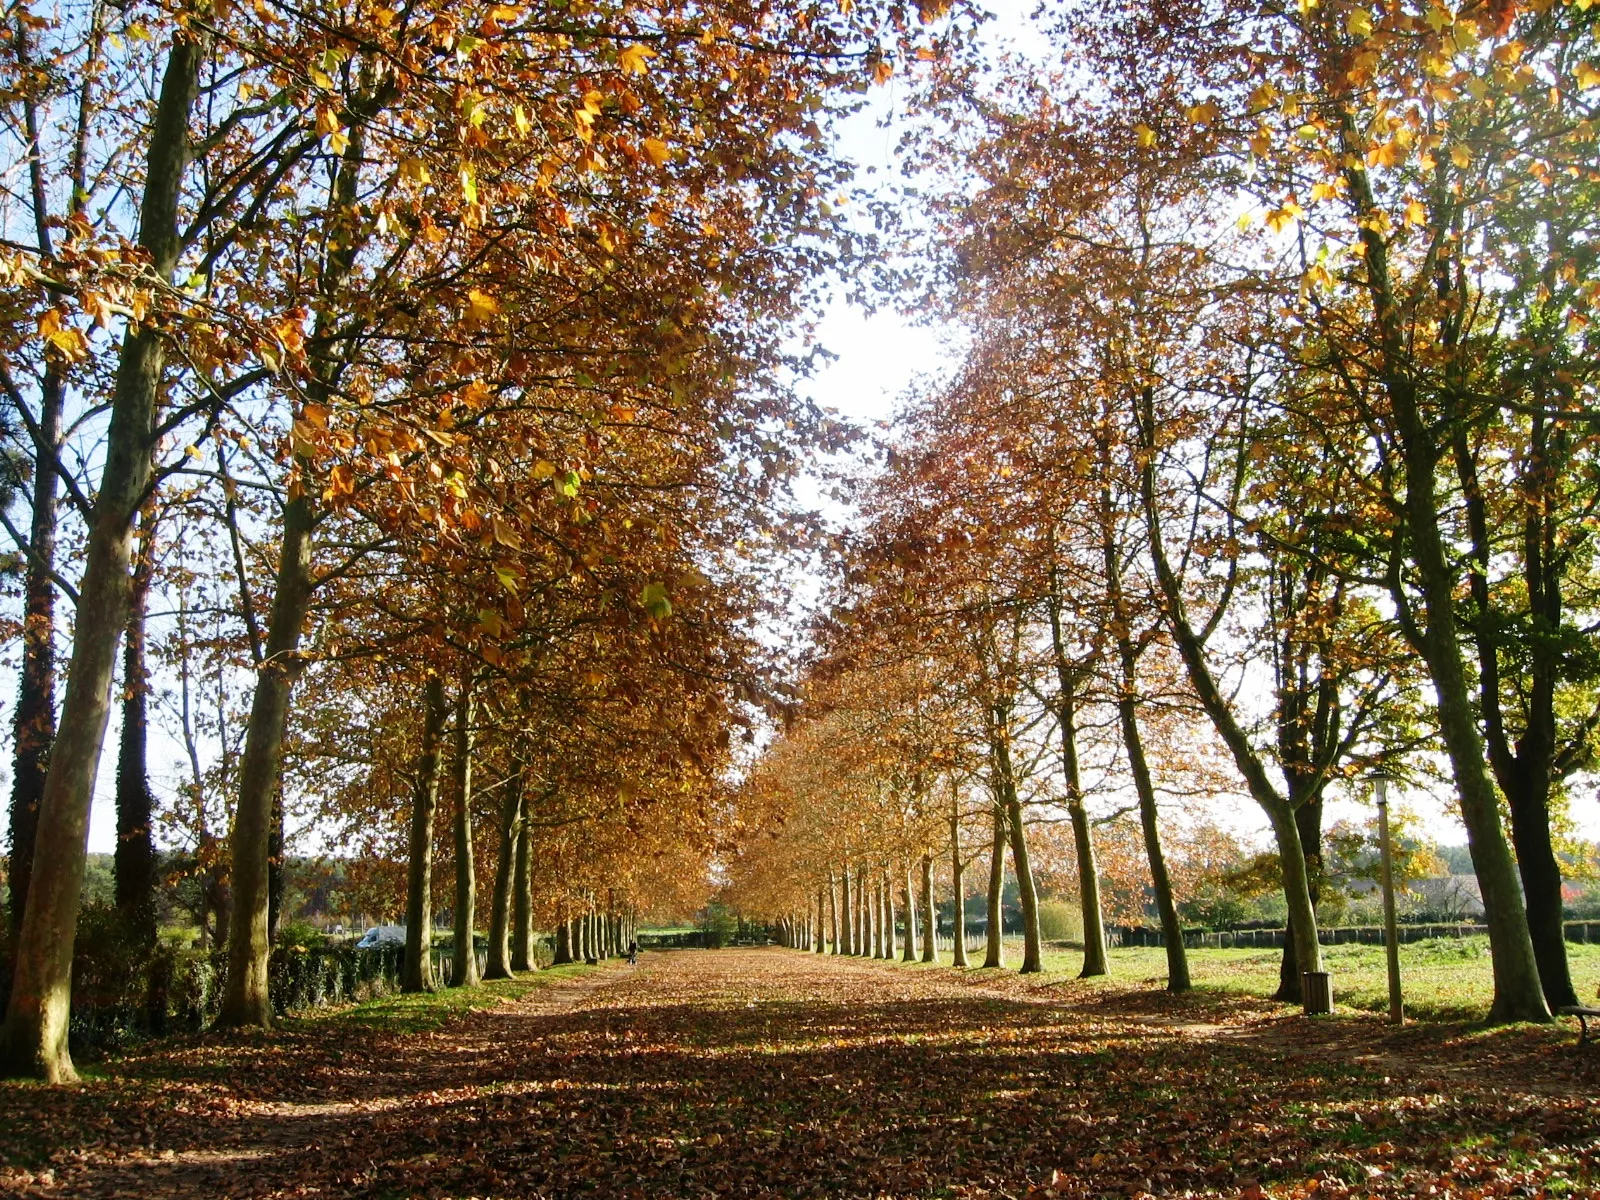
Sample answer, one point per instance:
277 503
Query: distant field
1442 978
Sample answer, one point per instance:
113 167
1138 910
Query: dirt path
769 1072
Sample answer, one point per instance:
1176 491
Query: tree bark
886 890
821 946
958 887
34 1040
501 953
1308 818
994 953
277 867
930 917
909 951
1518 992
1067 682
135 857
1525 767
1133 744
35 727
1032 943
845 926
1094 929
563 948
833 913
464 960
259 812
522 955
418 975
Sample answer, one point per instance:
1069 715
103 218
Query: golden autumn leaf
635 59
656 151
481 308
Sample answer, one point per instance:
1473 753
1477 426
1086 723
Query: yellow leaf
481 307
1261 141
338 141
1147 136
327 122
635 60
1358 23
1263 98
322 79
520 116
475 395
1416 213
882 71
656 151
1281 218
469 185
1326 190
543 469
1588 75
1461 156
490 622
1203 113
415 170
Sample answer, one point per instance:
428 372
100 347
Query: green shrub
1060 921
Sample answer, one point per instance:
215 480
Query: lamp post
1391 932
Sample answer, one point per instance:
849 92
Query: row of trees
409 384
1271 463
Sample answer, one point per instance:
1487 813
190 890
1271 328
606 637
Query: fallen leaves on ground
762 1072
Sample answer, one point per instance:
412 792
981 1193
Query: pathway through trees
755 1072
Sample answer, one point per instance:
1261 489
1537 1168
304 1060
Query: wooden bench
1583 1012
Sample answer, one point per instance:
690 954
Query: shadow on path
769 1072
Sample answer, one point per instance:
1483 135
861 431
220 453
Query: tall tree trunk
35 727
1518 992
522 955
245 1000
135 857
886 890
866 904
833 913
845 928
909 951
1541 885
1525 767
1133 744
500 949
994 952
1067 682
418 975
34 1040
1094 928
958 886
1160 879
823 902
1308 818
563 947
930 918
1027 894
464 968
277 866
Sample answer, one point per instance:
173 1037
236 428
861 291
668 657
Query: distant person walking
633 953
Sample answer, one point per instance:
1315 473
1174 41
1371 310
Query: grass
418 1012
1441 979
